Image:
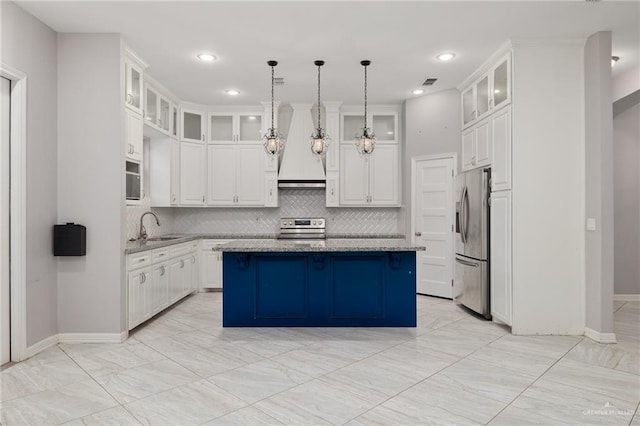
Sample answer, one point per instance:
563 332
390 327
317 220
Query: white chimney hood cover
298 162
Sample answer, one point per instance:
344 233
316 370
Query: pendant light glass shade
273 142
365 140
319 138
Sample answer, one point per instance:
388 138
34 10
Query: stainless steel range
302 229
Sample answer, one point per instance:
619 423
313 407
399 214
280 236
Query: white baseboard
93 337
627 297
41 346
599 337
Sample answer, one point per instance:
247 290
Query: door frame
18 210
414 160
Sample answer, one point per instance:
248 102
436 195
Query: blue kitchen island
332 283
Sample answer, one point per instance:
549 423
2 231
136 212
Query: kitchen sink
162 238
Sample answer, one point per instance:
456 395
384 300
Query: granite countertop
328 245
140 245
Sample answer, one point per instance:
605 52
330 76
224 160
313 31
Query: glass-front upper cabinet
385 127
501 79
468 105
351 126
221 128
193 125
133 86
151 106
249 127
164 120
482 97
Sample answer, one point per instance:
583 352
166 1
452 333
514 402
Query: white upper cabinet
193 125
134 136
369 181
236 176
476 145
385 127
489 92
501 150
151 99
235 127
133 85
383 176
159 112
193 169
164 172
501 83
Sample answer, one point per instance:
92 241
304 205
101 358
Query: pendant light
273 142
319 139
366 139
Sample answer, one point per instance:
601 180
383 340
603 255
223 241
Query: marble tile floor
183 368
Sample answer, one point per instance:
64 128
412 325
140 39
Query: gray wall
91 296
30 46
431 126
599 183
626 148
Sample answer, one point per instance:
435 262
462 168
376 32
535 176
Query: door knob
418 234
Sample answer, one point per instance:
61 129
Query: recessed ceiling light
389 133
232 92
252 117
418 92
206 57
496 91
614 59
446 56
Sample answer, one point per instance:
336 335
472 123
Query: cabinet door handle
331 191
143 278
203 198
418 234
193 259
181 264
162 271
270 192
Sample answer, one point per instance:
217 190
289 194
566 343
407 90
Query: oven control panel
310 223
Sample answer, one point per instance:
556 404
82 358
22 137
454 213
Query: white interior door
433 225
5 332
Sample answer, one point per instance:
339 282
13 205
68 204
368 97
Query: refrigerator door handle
467 263
461 215
465 220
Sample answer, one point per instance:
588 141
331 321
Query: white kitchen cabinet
158 110
160 277
164 171
501 83
332 198
211 266
235 127
133 85
383 176
487 93
236 175
134 130
383 121
193 125
158 290
138 296
372 180
476 145
500 241
193 169
501 150
271 189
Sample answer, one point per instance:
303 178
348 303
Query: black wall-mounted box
69 239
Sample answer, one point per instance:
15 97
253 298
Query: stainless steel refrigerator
472 246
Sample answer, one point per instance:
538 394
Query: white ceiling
400 38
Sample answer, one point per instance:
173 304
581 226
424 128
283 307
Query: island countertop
328 245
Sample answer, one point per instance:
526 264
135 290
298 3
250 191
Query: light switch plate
591 224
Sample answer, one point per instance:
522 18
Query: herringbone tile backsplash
293 203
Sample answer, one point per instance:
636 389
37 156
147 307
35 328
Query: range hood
299 167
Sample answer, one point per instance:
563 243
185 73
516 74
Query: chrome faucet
142 235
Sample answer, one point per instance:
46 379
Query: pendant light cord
272 79
365 98
319 127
